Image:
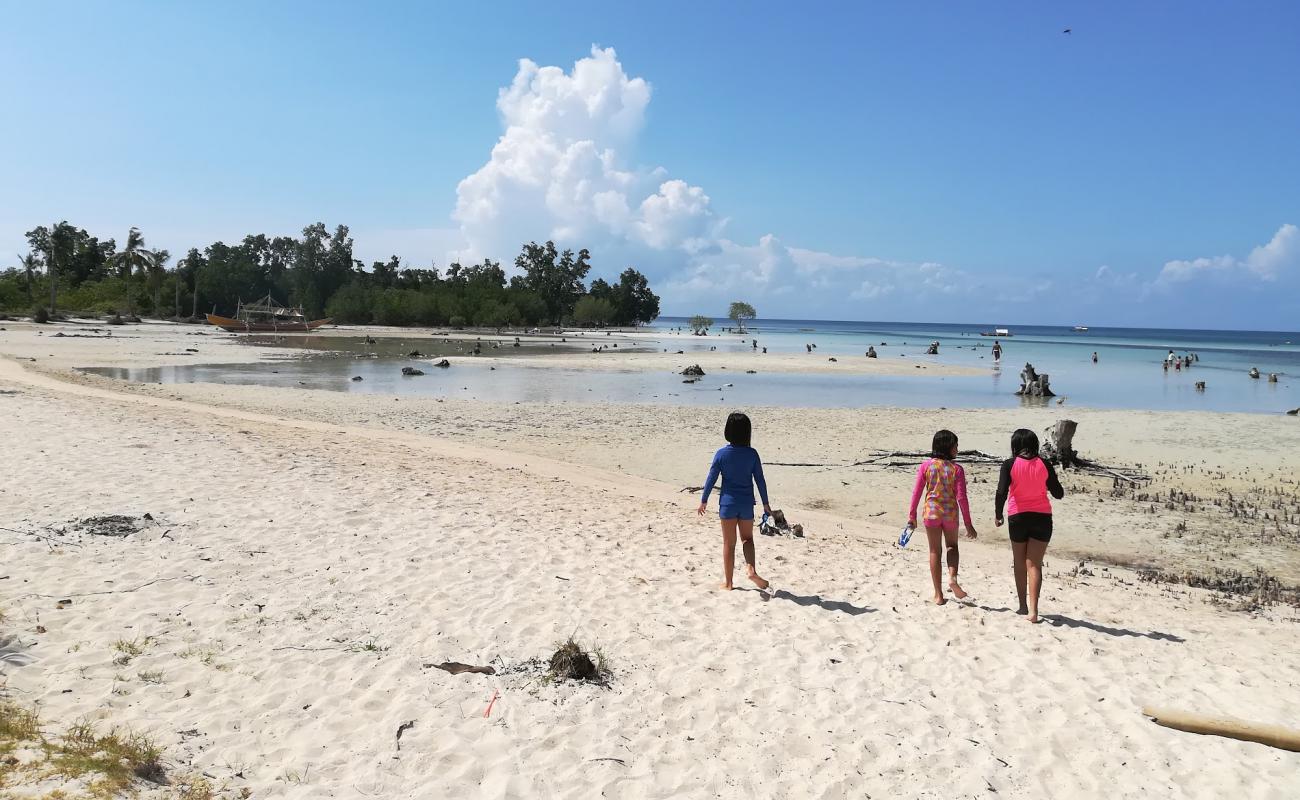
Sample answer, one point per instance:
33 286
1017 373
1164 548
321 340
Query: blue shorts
735 509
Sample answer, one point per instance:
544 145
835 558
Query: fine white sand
304 568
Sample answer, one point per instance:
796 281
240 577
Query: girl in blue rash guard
740 468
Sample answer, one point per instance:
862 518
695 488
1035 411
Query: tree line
72 269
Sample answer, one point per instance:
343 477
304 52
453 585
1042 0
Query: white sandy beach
312 552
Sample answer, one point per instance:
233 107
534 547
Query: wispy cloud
1266 262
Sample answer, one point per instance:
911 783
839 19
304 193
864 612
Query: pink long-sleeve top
1023 487
944 485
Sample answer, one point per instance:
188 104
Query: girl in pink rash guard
1023 486
944 483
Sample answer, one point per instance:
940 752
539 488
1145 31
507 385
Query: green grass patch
109 765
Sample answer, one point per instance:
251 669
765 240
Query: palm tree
157 271
51 268
29 262
133 258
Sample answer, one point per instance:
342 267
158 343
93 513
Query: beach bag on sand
778 525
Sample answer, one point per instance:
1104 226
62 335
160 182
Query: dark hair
943 444
1024 441
738 429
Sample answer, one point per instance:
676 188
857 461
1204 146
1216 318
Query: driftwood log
1032 384
1058 446
1271 735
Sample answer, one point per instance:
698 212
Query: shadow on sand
1057 619
816 600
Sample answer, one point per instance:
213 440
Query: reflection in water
474 379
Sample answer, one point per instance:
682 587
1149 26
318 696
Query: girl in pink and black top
1023 487
944 483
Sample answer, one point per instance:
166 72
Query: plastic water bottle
906 535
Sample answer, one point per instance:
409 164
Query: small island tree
700 324
741 311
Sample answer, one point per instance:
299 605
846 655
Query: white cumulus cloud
558 170
1266 262
563 170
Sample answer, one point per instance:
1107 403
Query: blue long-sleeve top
740 468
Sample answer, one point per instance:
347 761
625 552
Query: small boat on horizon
267 316
1081 328
1000 332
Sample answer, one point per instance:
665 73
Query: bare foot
940 599
759 581
1022 611
1033 618
957 591
726 587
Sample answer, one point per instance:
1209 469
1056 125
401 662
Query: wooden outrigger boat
266 316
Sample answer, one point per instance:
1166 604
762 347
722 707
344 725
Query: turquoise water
1128 374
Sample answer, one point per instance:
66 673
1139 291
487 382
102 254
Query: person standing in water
741 469
997 351
1094 356
1023 487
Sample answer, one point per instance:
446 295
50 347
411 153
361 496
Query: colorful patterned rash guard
944 485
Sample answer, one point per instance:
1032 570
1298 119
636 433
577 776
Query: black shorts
1030 525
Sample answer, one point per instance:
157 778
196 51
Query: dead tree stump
1033 384
1059 447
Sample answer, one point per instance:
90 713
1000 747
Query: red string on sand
488 711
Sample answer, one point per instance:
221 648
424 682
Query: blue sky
948 162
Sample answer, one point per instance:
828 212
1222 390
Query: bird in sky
1067 30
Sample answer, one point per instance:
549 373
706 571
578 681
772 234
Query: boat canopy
269 307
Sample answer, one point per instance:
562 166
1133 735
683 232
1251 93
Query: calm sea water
1128 373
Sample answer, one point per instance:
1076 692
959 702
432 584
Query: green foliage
741 312
595 311
318 273
553 276
700 324
635 303
350 306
